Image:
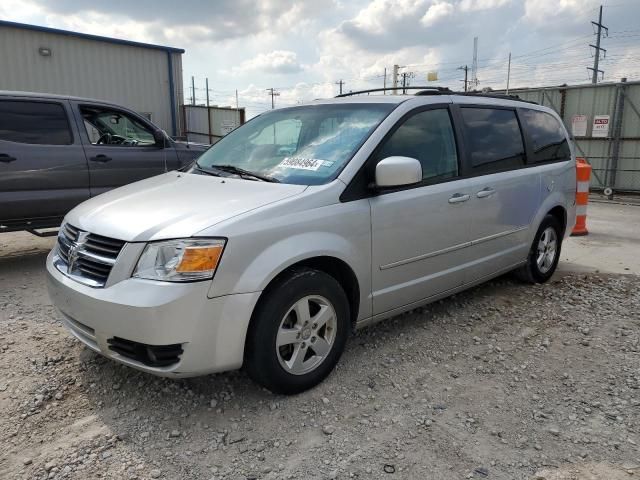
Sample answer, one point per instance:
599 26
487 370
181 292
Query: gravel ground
506 381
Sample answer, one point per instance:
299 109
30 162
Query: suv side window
112 127
428 137
494 139
36 123
547 136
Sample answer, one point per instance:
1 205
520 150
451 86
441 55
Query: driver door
120 148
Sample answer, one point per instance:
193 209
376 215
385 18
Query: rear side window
494 139
547 136
37 123
428 137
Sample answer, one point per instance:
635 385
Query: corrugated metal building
613 148
143 77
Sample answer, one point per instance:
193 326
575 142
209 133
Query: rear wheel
298 332
544 254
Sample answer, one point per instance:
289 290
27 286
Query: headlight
180 260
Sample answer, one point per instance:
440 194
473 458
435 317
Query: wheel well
561 214
337 269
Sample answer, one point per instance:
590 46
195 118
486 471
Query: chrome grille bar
86 257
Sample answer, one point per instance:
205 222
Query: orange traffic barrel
583 174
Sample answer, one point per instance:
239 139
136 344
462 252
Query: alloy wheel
306 335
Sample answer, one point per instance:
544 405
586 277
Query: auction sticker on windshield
302 163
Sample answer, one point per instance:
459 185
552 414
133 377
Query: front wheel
298 332
544 254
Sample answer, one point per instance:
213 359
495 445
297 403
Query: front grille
149 355
86 257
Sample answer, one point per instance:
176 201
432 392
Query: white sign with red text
600 126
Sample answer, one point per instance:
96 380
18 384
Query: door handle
100 158
485 192
459 198
7 158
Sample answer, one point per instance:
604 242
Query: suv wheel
298 332
544 254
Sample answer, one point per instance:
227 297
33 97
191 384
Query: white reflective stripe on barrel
581 210
583 187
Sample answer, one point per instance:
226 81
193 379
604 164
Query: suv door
420 234
120 147
505 195
43 170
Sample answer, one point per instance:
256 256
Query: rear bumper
211 331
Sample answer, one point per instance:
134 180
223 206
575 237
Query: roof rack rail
502 96
426 90
439 91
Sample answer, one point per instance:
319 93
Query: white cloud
475 5
20 11
436 13
540 12
277 61
380 15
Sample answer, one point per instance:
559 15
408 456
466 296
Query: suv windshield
307 145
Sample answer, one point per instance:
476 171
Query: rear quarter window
548 139
36 123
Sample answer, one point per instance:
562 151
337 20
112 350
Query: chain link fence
626 180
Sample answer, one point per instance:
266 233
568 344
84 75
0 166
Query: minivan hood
174 205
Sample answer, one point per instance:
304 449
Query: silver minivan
310 221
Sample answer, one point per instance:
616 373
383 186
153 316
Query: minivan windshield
306 145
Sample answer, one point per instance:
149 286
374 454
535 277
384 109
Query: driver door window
114 128
120 147
428 137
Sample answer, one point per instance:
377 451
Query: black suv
57 151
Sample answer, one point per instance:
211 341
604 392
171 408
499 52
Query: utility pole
206 86
596 58
384 81
474 65
193 91
466 74
340 82
405 80
236 99
508 74
395 79
273 94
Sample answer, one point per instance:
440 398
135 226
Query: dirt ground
506 381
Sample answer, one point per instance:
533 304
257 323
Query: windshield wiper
200 169
245 173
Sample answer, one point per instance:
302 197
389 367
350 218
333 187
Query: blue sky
303 47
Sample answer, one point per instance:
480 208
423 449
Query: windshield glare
307 145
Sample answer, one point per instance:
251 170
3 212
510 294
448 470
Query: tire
307 352
533 271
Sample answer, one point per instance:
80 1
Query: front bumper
211 331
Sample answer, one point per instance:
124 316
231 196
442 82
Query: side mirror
398 172
160 138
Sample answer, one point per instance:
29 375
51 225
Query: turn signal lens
199 259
